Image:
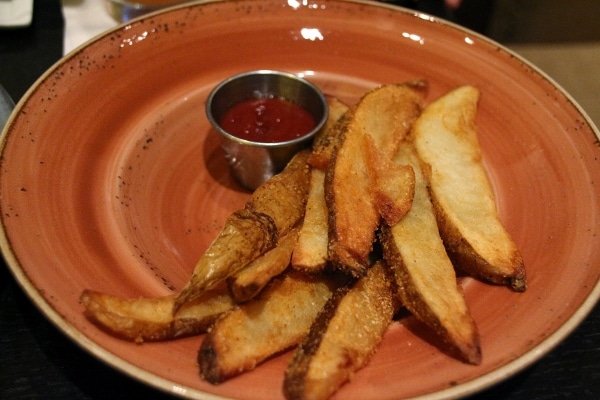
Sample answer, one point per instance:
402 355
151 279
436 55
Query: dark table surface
38 362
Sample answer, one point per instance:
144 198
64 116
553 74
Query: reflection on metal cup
254 162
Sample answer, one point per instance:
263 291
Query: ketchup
267 120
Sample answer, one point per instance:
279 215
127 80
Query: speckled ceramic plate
111 179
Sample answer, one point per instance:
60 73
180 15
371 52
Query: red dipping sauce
267 120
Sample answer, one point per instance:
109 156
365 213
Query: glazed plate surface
111 179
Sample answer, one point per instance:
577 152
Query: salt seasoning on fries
295 268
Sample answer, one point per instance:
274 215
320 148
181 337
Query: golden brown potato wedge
272 322
446 139
283 197
248 282
384 115
343 337
245 236
393 187
388 112
325 140
352 216
151 319
426 279
310 253
274 208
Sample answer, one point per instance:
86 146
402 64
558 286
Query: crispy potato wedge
352 216
283 197
274 208
248 282
425 275
446 139
343 337
325 139
272 322
151 319
310 253
393 188
245 236
388 112
384 115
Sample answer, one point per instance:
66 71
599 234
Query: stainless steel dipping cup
252 163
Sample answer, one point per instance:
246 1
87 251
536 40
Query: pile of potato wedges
389 204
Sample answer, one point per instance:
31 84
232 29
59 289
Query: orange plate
111 179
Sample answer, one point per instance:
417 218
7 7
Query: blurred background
521 21
560 37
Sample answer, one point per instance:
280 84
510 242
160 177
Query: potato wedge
388 112
151 319
283 197
352 216
325 139
384 115
274 208
425 275
245 236
343 337
393 188
272 322
248 282
446 139
310 253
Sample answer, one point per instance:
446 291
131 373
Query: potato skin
272 210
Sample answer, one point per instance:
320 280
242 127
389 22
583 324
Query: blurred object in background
27 52
534 21
473 14
124 10
520 21
6 106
